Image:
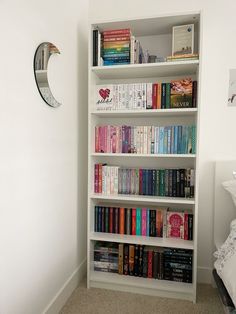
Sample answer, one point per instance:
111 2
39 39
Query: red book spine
96 178
116 38
111 219
99 178
122 221
159 223
133 224
150 257
154 96
185 226
116 31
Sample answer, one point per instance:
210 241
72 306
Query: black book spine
157 186
190 226
136 260
128 220
140 264
194 94
126 259
152 231
153 182
161 264
145 263
150 185
99 219
155 264
182 175
95 47
116 220
166 174
177 182
107 219
174 182
96 218
103 219
170 182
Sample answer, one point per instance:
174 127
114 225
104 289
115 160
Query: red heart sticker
104 93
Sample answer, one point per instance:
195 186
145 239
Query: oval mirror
41 58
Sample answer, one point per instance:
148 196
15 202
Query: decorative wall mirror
41 58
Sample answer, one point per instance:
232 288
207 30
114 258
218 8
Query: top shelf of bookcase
162 69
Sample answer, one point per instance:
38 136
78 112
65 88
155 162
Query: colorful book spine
144 222
138 221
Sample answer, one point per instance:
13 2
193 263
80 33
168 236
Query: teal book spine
165 142
138 221
175 150
161 140
179 147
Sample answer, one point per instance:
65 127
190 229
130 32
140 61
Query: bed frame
224 213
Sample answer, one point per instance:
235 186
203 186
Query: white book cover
149 139
127 96
131 86
153 140
116 180
103 97
141 140
139 96
138 139
144 95
104 179
108 181
115 100
123 96
134 96
145 140
112 177
149 96
156 146
132 40
120 96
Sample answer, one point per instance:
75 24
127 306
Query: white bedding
225 263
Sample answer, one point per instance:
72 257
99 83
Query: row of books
173 139
150 222
115 47
112 180
180 93
144 261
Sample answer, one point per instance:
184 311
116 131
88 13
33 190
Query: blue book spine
150 185
169 140
147 222
175 150
138 221
165 142
179 139
161 140
193 139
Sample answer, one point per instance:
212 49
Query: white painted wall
43 153
217 121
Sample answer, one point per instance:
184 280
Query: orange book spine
159 96
122 221
159 223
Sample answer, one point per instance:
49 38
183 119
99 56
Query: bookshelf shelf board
145 113
161 69
144 199
153 241
142 285
144 155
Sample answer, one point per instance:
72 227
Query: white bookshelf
144 29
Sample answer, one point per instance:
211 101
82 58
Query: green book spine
138 221
167 95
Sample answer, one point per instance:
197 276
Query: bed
224 272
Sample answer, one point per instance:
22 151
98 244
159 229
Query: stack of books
106 257
183 57
148 222
116 46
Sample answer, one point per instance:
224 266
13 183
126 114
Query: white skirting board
66 290
204 275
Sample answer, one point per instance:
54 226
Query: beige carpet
100 301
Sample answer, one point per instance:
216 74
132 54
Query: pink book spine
101 136
99 139
108 139
185 226
144 221
120 140
113 139
104 138
117 139
96 139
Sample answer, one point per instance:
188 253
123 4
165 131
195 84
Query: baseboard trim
204 275
66 290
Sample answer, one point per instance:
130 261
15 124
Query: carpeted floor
100 301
